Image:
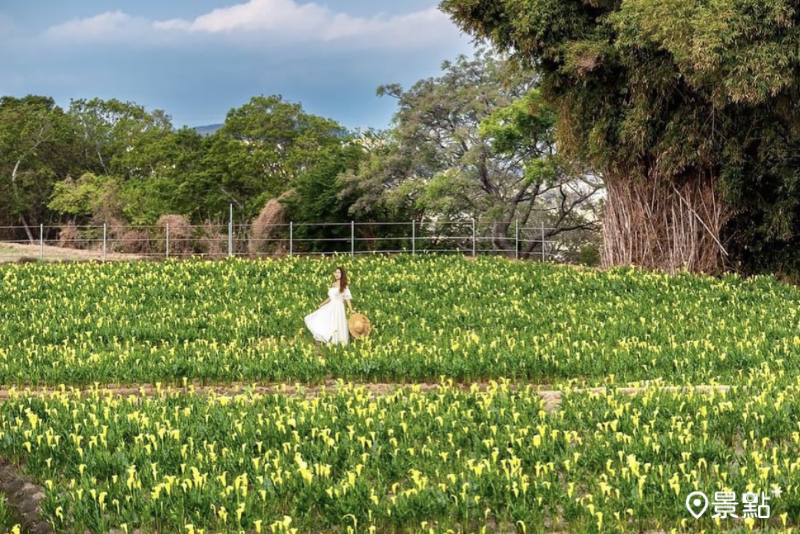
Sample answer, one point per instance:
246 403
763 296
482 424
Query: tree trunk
669 226
500 240
368 233
31 239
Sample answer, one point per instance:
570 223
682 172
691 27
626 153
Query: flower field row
432 316
406 461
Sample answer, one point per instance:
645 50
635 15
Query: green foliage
590 255
476 142
672 89
143 202
248 458
158 163
318 197
8 520
131 160
520 125
108 132
264 146
382 179
499 458
175 160
86 197
243 321
35 145
274 141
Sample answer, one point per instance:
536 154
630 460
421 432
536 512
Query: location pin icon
696 503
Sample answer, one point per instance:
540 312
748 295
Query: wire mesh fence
217 241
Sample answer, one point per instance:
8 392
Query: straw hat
358 324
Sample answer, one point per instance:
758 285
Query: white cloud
256 15
268 20
418 27
109 27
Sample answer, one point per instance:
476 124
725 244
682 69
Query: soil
552 398
16 252
24 498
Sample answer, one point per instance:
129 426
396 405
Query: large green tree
35 151
265 145
477 142
129 164
134 167
108 132
160 173
687 107
319 204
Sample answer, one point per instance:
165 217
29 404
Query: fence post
230 232
291 231
543 241
41 241
167 240
473 237
516 240
352 238
104 241
413 236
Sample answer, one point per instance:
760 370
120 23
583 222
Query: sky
198 59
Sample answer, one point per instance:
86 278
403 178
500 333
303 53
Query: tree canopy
682 96
35 146
476 142
133 166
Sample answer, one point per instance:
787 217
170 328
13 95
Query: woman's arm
347 297
324 303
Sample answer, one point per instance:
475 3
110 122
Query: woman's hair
342 280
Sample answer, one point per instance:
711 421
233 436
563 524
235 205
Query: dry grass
17 252
213 242
267 227
69 236
673 228
180 233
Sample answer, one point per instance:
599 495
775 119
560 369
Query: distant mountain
208 129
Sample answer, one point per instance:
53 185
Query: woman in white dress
329 323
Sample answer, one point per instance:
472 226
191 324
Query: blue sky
197 59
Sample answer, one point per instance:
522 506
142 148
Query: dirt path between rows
24 498
552 398
15 252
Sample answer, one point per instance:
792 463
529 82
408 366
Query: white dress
329 322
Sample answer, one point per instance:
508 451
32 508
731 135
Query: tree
161 171
130 161
318 197
34 153
384 167
107 132
90 198
128 158
687 108
265 145
478 142
217 182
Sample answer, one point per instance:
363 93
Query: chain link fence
217 241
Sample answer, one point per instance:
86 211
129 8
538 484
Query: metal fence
215 241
